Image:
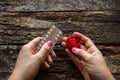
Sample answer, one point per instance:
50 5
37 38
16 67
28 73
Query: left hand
29 62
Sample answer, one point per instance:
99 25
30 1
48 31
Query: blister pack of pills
54 34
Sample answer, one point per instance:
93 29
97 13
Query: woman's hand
89 60
29 62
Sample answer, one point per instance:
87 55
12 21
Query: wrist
109 76
15 76
104 75
20 75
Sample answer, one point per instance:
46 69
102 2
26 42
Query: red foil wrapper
72 41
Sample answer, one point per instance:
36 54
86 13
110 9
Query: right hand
89 60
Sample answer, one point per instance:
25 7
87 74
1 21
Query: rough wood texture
21 21
62 67
98 32
88 16
58 5
17 26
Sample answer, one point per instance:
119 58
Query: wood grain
101 33
102 27
62 65
21 21
58 5
82 16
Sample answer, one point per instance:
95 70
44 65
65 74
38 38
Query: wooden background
23 20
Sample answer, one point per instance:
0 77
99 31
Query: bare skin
29 62
89 60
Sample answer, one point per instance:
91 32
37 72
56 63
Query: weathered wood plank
21 30
9 53
59 76
58 5
4 75
88 16
30 26
48 76
74 76
24 20
53 76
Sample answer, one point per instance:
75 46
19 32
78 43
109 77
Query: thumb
81 53
44 51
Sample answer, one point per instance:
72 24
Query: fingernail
50 43
74 49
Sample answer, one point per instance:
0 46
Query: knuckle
24 47
72 57
81 51
39 57
89 58
46 48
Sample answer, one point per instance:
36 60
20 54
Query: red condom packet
72 41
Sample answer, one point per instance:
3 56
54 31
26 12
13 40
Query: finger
44 51
81 53
84 39
63 44
85 75
49 60
83 47
34 43
53 54
75 60
91 49
42 65
64 38
47 66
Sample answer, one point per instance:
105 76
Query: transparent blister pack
53 34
